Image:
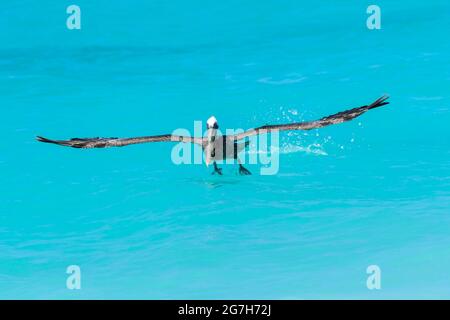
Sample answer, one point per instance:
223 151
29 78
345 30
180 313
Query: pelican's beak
209 146
211 135
212 127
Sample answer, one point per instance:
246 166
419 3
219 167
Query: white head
212 123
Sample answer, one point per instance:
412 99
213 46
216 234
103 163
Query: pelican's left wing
326 121
119 142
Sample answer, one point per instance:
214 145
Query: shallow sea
374 191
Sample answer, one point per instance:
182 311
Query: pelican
220 147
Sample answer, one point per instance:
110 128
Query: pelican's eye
213 153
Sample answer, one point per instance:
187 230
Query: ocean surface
373 191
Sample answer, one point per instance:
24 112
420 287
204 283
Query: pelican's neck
211 135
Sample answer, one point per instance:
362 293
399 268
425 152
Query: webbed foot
217 170
243 171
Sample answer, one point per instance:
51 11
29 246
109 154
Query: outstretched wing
118 142
326 121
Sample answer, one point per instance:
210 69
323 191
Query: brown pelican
220 147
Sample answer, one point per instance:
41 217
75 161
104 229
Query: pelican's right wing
119 142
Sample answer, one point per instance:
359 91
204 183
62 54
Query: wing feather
118 142
325 121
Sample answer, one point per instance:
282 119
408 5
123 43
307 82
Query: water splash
287 148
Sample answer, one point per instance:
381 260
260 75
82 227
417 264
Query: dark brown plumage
326 121
119 142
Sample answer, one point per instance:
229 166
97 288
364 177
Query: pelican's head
211 126
211 123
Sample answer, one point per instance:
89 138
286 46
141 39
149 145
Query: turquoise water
371 191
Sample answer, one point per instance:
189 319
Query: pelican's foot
243 171
217 170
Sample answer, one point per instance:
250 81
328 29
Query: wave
436 98
270 80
